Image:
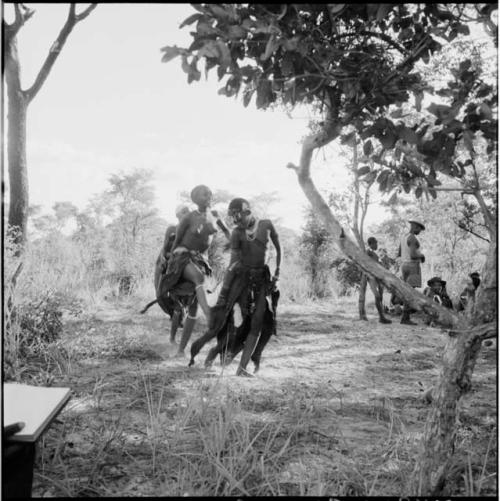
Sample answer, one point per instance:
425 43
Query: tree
317 253
359 62
18 100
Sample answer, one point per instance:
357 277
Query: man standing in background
376 286
411 259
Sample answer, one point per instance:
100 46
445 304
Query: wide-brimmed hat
417 222
436 279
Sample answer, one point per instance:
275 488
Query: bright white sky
111 105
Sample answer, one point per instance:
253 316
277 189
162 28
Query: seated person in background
469 293
436 290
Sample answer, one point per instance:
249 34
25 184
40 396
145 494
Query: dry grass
343 421
335 410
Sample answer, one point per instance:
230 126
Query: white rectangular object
35 406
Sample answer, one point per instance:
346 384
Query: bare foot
179 354
243 372
172 340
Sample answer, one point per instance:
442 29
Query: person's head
416 227
239 211
181 211
201 195
372 243
436 284
476 281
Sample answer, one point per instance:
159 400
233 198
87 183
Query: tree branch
382 36
464 228
56 48
85 13
22 15
480 332
415 300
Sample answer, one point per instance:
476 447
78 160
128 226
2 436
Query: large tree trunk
455 379
18 101
16 144
461 349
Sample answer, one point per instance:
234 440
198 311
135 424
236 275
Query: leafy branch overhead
360 63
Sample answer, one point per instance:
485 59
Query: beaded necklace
251 234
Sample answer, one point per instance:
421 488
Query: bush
348 275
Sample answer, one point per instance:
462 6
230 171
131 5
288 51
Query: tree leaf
171 53
468 138
271 46
185 65
409 135
191 19
225 54
247 96
335 8
418 192
393 199
367 147
194 73
485 110
383 10
264 94
388 139
419 96
291 44
347 138
235 31
363 170
209 49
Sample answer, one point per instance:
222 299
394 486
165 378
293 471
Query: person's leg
253 336
362 296
194 275
188 326
265 336
405 318
378 301
176 319
226 285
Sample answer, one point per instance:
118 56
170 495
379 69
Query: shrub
348 275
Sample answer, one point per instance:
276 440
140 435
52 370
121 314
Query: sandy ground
358 384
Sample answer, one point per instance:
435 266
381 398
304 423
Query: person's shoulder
266 223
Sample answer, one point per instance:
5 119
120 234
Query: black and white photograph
250 250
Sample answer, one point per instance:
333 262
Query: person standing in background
411 259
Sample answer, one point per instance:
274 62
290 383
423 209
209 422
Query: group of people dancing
244 315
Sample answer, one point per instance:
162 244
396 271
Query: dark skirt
172 279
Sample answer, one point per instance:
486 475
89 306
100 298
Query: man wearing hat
436 290
411 257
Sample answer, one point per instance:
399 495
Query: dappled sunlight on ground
346 393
